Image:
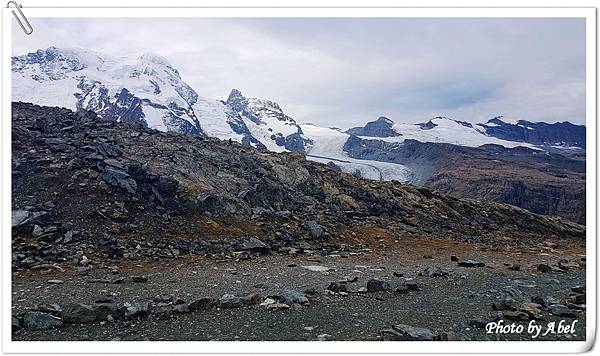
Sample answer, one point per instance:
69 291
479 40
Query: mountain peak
382 127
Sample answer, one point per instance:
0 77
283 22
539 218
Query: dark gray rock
75 313
15 324
544 268
103 310
435 272
402 332
40 321
136 309
562 310
337 287
119 178
545 301
230 301
254 245
139 279
290 297
471 263
314 228
376 285
202 304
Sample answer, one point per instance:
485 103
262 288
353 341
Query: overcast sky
345 72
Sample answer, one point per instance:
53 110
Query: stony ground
451 307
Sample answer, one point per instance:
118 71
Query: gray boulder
40 321
75 313
402 332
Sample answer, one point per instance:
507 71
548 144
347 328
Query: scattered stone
277 306
205 303
139 279
515 315
323 337
544 268
76 313
290 297
55 281
576 298
435 272
403 332
15 324
561 310
253 244
507 304
398 274
136 309
252 298
316 268
471 263
337 287
102 311
482 322
230 301
35 320
314 228
578 289
545 301
376 285
409 287
532 309
37 231
514 267
163 311
362 290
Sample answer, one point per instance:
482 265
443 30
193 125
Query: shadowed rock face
537 133
542 182
117 184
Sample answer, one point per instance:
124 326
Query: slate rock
314 228
202 304
376 285
15 324
76 313
136 309
562 310
402 332
471 263
337 287
103 310
230 301
290 297
544 268
40 321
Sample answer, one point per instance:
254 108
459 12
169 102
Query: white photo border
220 347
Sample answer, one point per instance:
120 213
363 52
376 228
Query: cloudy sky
344 72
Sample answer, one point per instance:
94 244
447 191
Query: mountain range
148 90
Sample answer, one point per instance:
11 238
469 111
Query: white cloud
344 72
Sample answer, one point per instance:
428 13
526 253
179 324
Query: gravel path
445 305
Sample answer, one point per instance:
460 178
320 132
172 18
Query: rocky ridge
87 189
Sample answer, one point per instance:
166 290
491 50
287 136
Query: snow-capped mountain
149 90
495 131
559 134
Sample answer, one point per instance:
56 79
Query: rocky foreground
121 232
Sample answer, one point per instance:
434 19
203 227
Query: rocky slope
537 133
121 190
539 181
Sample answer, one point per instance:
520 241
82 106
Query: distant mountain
382 127
537 133
149 90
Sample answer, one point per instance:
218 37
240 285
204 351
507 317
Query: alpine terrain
144 211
